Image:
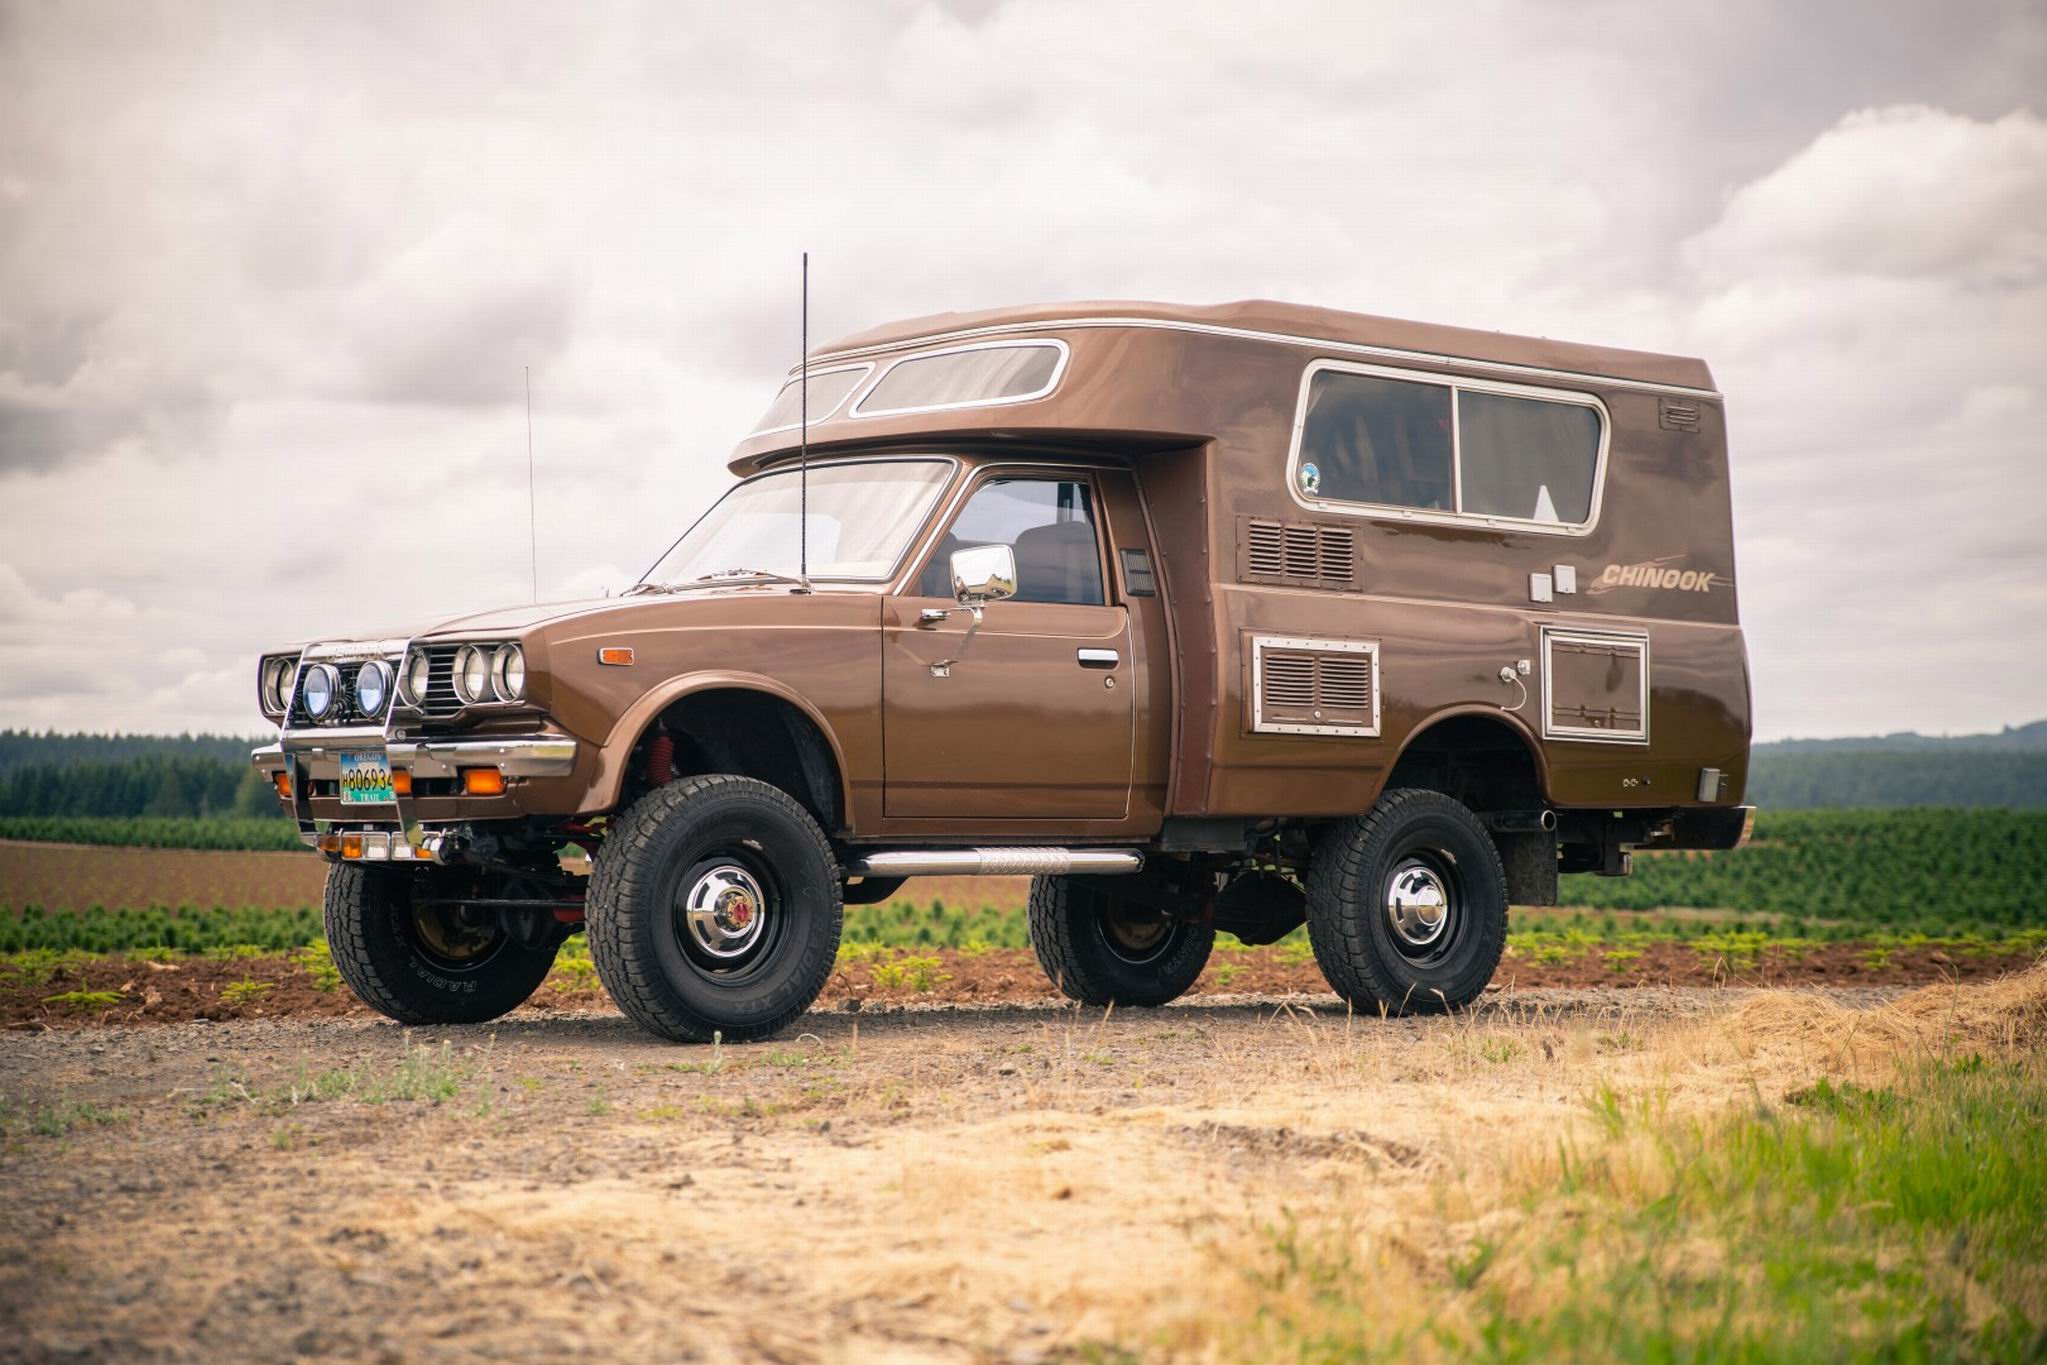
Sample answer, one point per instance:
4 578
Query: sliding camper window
1369 438
966 377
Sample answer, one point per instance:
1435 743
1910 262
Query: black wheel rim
1134 934
729 914
1422 904
455 941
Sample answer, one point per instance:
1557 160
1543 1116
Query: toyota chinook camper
1210 619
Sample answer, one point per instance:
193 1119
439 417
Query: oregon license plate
366 780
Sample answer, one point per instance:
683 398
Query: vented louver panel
1678 414
1314 686
1595 686
1300 554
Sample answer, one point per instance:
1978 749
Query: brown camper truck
1209 619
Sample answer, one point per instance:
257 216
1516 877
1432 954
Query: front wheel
714 910
423 959
1103 950
1407 905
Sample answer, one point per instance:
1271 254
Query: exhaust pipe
1521 821
995 862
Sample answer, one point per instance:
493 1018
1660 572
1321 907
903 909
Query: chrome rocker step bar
995 862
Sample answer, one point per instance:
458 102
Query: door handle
1098 658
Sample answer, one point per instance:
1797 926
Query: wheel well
1484 763
752 734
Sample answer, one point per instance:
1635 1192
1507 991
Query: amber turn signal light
330 843
483 782
401 781
351 846
284 785
617 655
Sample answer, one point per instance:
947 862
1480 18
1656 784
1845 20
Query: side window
1385 442
1048 523
1526 458
1377 440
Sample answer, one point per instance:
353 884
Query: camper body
1211 619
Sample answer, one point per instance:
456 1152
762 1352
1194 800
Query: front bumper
314 756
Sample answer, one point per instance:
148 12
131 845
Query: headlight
321 688
472 675
372 687
274 683
412 687
508 672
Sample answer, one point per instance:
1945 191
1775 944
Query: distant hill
2012 739
2008 768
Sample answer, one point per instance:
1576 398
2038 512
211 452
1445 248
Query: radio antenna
532 517
803 436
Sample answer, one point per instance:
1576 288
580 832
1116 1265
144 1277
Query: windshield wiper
768 575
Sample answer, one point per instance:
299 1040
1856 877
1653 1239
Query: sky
274 277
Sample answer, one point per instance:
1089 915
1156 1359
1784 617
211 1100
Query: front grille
441 701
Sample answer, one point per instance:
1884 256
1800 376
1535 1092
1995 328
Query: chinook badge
1657 573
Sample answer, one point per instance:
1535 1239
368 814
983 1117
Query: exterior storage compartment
1314 686
1595 686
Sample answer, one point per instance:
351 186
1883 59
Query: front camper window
966 377
1370 438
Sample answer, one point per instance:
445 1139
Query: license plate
366 780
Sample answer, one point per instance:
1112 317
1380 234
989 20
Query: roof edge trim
1498 367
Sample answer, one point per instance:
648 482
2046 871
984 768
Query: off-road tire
639 940
1073 941
1353 935
379 952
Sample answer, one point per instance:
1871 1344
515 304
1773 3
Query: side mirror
985 573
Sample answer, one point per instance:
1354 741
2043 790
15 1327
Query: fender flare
617 749
1514 723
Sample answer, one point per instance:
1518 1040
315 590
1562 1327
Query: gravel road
957 1183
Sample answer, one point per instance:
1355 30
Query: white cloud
274 278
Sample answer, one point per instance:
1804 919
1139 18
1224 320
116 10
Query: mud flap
1530 861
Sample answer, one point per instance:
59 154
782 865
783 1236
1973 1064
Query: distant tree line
1920 777
154 784
20 748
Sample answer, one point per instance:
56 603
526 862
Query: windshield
862 517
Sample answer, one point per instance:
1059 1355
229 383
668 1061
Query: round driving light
472 675
508 672
412 687
321 689
372 687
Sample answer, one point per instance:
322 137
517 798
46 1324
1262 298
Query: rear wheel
422 962
1407 905
714 909
1101 950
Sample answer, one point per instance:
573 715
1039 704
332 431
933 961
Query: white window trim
815 375
1058 373
1376 511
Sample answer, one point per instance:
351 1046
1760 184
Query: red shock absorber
661 760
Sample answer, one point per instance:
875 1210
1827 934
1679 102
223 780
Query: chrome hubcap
1417 905
725 911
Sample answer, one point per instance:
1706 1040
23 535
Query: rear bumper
1706 827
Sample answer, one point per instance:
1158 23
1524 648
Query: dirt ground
1014 1182
121 990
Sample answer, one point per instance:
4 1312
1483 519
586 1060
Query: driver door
1037 718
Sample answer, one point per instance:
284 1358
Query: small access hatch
1595 686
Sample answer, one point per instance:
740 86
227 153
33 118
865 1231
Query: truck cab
1211 620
